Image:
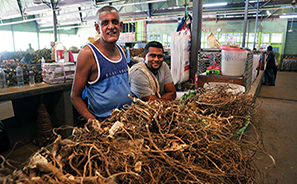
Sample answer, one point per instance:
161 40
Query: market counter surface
16 92
26 101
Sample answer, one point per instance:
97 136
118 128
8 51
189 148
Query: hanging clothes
185 23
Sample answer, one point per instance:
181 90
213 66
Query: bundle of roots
153 142
45 134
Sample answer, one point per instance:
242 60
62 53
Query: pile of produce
11 80
14 59
136 56
74 49
18 55
136 52
152 142
37 55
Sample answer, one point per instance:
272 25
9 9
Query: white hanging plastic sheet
180 56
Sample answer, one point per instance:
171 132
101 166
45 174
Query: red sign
60 54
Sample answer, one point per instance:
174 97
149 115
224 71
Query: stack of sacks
54 73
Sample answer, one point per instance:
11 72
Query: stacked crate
247 76
206 57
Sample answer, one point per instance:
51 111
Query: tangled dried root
153 142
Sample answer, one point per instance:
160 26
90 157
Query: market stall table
26 100
289 65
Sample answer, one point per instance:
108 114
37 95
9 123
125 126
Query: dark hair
28 55
153 44
269 48
108 9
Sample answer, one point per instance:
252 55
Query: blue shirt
111 88
26 61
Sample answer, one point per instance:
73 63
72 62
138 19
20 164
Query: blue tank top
111 88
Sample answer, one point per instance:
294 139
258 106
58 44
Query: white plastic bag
180 56
212 42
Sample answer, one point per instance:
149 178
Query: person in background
152 79
259 62
102 69
259 65
27 59
30 49
275 68
270 65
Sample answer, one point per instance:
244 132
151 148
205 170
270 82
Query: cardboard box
6 110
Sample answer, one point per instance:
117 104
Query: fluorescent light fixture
37 1
115 5
215 4
141 2
227 14
59 28
287 16
38 12
48 24
163 18
60 23
69 22
153 1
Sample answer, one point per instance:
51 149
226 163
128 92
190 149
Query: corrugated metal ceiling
80 12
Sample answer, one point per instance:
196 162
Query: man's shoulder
165 65
164 68
136 71
84 50
85 56
137 66
85 53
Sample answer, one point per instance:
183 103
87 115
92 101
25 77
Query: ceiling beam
265 4
242 5
149 10
122 6
20 7
80 14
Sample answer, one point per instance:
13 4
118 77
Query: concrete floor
276 117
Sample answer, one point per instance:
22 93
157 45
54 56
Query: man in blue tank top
102 69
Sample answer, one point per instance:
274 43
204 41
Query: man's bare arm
82 73
170 94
